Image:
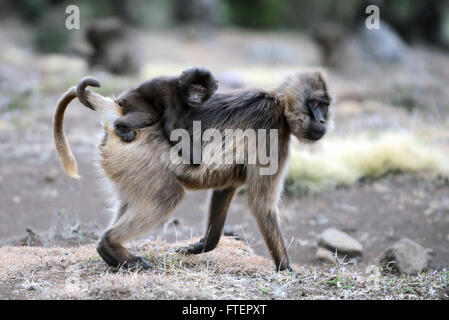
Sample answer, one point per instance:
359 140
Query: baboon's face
307 106
196 95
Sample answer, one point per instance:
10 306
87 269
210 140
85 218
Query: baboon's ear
184 78
320 77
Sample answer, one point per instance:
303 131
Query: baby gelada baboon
169 99
148 186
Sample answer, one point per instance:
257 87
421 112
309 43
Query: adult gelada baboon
148 186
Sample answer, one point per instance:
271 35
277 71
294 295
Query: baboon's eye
319 109
323 107
317 104
313 104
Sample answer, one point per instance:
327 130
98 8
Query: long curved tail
62 145
107 108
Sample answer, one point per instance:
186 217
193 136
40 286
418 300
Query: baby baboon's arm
125 126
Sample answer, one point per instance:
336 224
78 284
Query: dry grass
232 271
345 160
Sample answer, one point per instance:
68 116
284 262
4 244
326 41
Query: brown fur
149 186
61 143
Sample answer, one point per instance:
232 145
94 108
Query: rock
228 231
334 239
174 221
51 175
405 256
325 255
383 45
372 269
373 274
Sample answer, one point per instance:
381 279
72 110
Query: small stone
228 231
51 175
172 221
372 269
321 219
16 199
405 256
334 239
325 255
373 274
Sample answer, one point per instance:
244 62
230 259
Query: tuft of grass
19 100
263 290
342 282
344 160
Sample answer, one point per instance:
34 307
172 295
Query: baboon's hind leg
218 208
116 255
137 217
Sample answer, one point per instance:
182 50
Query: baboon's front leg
269 226
262 196
218 209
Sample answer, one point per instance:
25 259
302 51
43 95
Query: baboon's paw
194 248
118 257
108 255
125 133
129 136
136 263
288 269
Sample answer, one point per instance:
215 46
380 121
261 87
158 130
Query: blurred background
381 175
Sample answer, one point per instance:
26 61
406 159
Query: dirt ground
231 271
